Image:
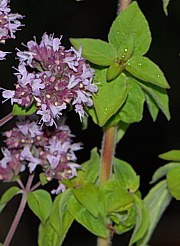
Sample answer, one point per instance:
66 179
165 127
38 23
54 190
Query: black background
143 141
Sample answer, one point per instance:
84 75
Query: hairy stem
105 171
6 119
107 154
19 211
108 148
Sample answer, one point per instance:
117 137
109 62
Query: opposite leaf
88 196
117 196
156 202
89 171
173 181
131 21
122 128
60 217
18 110
172 155
125 173
40 203
165 5
114 70
95 225
125 222
96 51
132 109
152 106
162 171
8 195
142 219
110 96
47 236
143 68
160 97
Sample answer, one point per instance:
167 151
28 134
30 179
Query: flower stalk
6 119
19 211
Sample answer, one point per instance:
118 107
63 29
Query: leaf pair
128 78
171 171
53 231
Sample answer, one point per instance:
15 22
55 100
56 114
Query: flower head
29 146
9 24
58 77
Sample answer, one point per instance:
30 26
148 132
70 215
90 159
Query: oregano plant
106 81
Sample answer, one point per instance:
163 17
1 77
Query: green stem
19 212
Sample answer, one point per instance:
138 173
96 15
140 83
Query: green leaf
165 5
43 178
173 181
85 122
156 202
142 219
59 208
117 196
114 70
91 111
162 171
122 128
143 68
96 51
159 95
126 49
126 174
40 203
131 21
125 221
8 195
47 236
132 109
91 167
172 155
97 226
18 110
88 195
152 106
89 172
106 107
60 217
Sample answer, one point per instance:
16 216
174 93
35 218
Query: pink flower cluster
9 24
29 145
52 77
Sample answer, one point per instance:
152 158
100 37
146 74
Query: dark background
143 141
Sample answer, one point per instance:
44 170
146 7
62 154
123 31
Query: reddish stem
108 149
107 154
122 5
